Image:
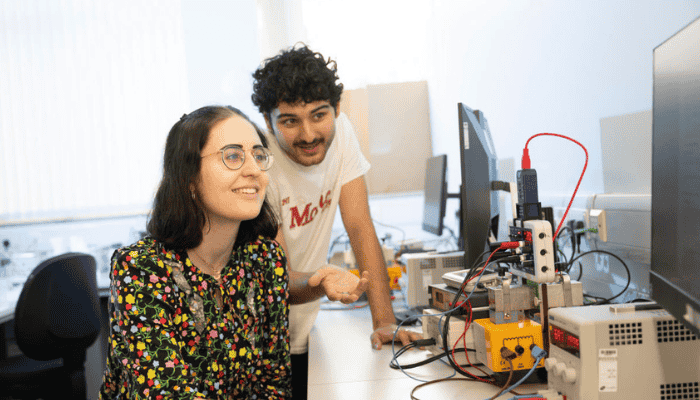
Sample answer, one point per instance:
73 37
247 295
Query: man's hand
385 333
340 284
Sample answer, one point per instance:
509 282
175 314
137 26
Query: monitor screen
435 194
675 177
479 167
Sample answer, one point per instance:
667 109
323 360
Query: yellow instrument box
489 338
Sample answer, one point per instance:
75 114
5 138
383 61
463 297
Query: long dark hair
177 218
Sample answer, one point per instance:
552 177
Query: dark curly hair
296 74
177 219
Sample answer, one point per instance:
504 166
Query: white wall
222 53
545 66
531 66
88 92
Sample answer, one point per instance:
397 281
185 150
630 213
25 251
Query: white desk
343 366
8 301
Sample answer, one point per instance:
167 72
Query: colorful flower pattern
193 337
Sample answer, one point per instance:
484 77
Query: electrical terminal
508 354
520 350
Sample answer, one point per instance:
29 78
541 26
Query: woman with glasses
199 308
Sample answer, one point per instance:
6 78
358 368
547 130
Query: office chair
56 319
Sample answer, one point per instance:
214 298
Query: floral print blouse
177 332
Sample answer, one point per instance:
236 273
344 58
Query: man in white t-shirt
318 168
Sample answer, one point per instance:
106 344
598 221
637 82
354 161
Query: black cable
446 346
629 275
394 364
413 397
448 354
470 274
639 300
419 343
477 268
573 241
400 351
596 298
561 253
563 229
413 392
563 266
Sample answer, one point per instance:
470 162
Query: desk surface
343 365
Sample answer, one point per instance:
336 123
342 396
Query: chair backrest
58 311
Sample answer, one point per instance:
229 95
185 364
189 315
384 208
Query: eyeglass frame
236 146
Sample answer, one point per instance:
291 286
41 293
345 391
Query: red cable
525 164
464 341
463 335
501 247
467 323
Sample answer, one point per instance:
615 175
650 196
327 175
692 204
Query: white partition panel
88 92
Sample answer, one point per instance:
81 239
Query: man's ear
336 108
268 123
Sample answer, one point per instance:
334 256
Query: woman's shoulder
262 248
147 255
260 243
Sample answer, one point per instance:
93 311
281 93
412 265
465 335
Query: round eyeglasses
233 157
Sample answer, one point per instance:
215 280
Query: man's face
304 131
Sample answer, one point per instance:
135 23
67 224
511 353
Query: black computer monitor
675 177
479 205
435 194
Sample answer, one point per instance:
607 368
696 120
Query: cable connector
525 161
537 352
511 245
424 342
508 354
505 245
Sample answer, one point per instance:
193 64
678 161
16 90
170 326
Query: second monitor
435 194
478 204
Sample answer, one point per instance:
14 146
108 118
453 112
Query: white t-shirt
306 201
